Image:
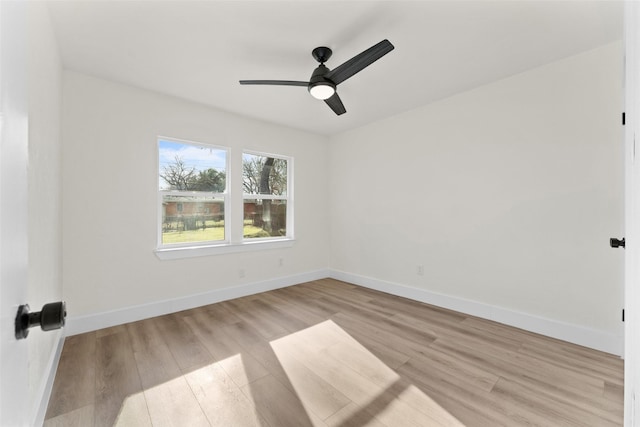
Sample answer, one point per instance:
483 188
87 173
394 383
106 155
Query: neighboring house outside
188 213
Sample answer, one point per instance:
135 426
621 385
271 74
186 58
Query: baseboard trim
576 334
587 337
92 322
47 385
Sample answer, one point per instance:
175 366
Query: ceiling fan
323 82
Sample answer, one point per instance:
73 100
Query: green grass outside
208 234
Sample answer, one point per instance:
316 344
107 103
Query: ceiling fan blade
274 82
335 103
359 62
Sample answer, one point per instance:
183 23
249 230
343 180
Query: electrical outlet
241 273
280 262
420 270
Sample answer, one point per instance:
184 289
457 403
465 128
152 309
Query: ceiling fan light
322 90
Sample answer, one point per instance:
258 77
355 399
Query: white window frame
232 243
288 199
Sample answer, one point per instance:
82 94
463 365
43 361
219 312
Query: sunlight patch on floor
358 387
220 397
133 412
206 396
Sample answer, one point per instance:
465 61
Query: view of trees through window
192 180
264 181
180 176
264 175
193 189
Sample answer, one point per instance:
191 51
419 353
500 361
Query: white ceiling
198 50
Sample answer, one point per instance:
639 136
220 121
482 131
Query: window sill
198 251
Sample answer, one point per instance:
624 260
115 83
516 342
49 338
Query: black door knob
51 317
616 243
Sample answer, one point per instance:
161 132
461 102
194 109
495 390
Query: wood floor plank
343 291
569 360
316 395
187 350
279 315
213 337
586 355
309 299
242 367
156 365
80 417
330 353
116 377
551 383
416 309
221 399
554 411
384 350
75 382
427 405
110 331
351 384
293 307
354 416
219 314
469 374
319 397
259 317
245 335
277 404
172 403
458 332
466 405
134 412
390 408
360 360
359 326
145 334
614 393
399 395
514 366
420 336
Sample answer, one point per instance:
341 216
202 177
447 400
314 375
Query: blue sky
199 156
195 156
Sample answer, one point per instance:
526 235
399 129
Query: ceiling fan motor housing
318 79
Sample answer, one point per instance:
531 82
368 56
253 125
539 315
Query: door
13 211
632 214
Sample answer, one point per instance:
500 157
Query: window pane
264 175
264 218
187 219
191 167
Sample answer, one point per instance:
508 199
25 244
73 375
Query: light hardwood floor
328 353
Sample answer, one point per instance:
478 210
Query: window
192 193
266 187
199 212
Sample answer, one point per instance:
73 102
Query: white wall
44 197
110 197
506 194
